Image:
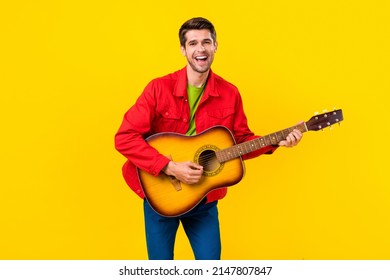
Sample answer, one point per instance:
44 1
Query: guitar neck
256 144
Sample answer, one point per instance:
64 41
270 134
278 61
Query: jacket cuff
159 165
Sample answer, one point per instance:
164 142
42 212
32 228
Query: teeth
201 57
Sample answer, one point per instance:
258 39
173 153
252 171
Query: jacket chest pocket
221 116
168 120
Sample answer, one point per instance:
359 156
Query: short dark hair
197 23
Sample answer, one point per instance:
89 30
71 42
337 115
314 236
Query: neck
196 79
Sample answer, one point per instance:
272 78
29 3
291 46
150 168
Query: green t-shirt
194 96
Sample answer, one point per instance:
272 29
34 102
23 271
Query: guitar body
171 198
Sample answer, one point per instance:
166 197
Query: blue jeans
201 225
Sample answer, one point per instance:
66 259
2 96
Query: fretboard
257 144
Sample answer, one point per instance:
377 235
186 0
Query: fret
253 146
233 152
279 136
256 144
274 139
220 156
248 147
262 142
238 150
241 147
269 139
286 132
245 148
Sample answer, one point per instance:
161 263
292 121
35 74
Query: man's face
199 50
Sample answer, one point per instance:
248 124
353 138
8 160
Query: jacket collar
181 84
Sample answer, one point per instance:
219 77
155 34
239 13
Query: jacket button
166 113
184 120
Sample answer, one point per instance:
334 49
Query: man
188 101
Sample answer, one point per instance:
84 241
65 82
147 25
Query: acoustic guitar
215 149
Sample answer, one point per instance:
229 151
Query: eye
192 43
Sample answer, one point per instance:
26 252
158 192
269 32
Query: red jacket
163 107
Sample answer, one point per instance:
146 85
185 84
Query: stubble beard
200 69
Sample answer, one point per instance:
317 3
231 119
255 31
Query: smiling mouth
201 58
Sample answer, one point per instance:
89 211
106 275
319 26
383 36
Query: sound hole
209 161
206 156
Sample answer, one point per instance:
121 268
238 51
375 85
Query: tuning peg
325 111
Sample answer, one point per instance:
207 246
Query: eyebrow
204 40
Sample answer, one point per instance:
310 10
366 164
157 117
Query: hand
186 172
292 139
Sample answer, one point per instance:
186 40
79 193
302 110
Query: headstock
321 121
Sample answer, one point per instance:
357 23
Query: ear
216 46
183 50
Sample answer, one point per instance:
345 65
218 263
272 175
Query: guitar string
240 149
235 152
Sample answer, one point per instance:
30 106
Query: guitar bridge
176 183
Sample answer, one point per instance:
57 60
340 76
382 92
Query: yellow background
70 70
